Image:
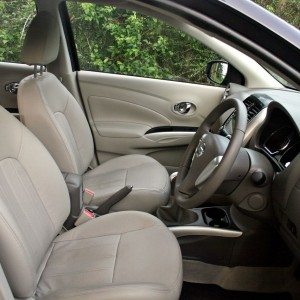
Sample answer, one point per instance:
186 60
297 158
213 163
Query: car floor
197 291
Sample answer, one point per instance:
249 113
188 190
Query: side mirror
217 71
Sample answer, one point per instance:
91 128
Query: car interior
117 186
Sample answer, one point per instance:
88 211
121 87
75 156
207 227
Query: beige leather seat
55 117
123 255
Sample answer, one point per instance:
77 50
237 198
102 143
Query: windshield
280 79
288 10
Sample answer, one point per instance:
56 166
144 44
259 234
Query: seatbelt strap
88 214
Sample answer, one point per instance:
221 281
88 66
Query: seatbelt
90 213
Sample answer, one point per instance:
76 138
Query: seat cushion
150 181
124 255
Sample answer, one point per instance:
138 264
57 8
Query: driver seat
123 255
51 112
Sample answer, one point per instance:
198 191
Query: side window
14 20
119 41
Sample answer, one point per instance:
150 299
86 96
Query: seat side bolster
5 291
119 292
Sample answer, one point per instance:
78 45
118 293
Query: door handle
12 87
183 107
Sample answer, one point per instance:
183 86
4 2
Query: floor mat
196 291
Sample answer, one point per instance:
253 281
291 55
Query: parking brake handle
113 199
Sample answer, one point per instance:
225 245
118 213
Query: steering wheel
209 157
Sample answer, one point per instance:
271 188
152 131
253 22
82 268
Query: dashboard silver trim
208 170
254 125
181 231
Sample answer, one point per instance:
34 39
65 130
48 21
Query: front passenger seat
123 255
50 111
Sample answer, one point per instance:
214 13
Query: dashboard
274 130
279 140
255 103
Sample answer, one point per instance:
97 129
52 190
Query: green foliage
15 17
113 40
121 41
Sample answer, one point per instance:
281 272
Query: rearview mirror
216 71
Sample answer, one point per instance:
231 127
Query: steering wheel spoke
187 187
209 157
208 171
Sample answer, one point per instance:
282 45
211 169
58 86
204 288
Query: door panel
11 73
114 113
122 110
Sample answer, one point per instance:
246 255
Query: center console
225 235
212 221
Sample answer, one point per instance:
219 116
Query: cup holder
215 217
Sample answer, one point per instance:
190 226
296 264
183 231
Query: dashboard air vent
254 105
226 92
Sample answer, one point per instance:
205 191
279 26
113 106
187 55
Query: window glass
114 40
15 18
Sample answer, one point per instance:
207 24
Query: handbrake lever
113 199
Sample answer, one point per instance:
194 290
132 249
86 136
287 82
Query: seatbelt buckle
85 216
88 196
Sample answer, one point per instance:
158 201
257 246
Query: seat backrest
34 203
47 108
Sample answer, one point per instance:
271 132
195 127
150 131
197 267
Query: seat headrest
41 43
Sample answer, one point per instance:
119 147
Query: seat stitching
21 142
13 167
108 162
62 132
67 102
77 272
33 186
21 245
44 263
163 289
126 174
106 182
64 113
92 237
29 178
53 122
116 258
89 176
74 249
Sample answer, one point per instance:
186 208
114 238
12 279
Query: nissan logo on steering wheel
201 147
